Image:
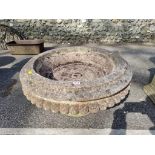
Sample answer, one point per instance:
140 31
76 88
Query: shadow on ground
6 74
56 46
5 60
145 107
152 70
50 48
13 105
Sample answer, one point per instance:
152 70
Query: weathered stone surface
46 106
79 32
76 81
93 108
83 109
55 107
64 108
74 109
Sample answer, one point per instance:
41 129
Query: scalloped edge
80 108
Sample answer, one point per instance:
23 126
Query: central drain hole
76 75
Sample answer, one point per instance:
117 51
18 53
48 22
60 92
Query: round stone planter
76 81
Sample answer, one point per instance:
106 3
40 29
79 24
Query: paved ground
136 113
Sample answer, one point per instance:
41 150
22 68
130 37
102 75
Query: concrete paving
70 131
136 114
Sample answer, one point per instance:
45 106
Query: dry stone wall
76 31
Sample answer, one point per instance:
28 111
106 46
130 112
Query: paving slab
135 113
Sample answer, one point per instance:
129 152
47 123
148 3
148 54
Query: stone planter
26 47
76 81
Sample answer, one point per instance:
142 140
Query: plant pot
76 81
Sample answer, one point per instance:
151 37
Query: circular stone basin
76 81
